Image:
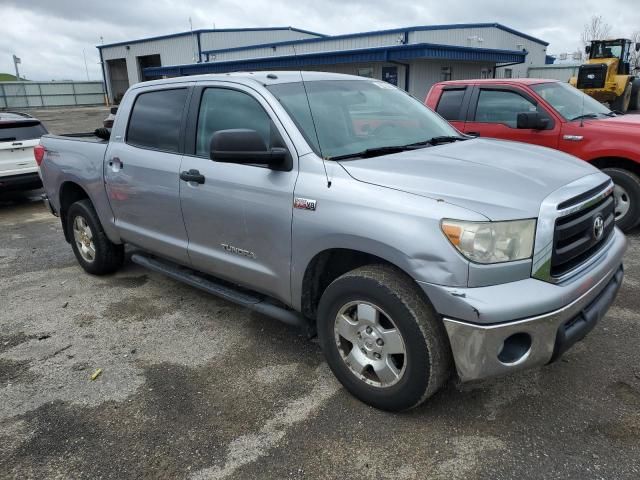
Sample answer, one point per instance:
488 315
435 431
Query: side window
502 106
156 119
225 109
450 104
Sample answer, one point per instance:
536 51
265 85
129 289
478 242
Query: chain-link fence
50 94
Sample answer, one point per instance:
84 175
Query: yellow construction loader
608 74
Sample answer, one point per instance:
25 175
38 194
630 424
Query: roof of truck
16 117
504 81
267 77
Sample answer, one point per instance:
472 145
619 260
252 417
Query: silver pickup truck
343 205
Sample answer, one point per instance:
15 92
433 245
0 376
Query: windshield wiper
614 113
586 115
372 152
445 139
8 139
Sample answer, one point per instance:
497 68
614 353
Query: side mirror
244 146
637 47
587 49
532 120
113 110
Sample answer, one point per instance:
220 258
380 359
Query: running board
253 301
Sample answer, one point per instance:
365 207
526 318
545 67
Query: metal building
414 58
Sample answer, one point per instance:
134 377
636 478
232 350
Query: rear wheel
626 192
622 103
93 250
382 339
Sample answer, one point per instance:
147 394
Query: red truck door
493 112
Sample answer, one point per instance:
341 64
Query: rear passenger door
493 112
141 170
453 104
239 219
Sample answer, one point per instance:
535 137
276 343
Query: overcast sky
50 35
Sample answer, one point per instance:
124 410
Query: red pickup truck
555 115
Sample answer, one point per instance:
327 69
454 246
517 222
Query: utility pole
16 61
85 64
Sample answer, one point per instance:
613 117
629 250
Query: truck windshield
606 50
340 118
570 102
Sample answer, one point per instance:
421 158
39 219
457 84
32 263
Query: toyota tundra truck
555 115
344 206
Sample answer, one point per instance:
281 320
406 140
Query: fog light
515 348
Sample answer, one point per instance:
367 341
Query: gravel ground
195 387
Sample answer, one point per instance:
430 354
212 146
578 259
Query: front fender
401 228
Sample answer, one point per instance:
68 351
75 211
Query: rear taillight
38 152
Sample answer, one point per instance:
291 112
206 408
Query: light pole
16 61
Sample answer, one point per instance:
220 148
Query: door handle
473 134
115 161
192 176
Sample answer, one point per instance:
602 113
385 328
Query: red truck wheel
627 196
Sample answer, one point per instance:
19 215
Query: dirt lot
195 387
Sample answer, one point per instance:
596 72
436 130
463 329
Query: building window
365 72
445 74
484 73
508 73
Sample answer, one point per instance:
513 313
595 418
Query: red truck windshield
568 101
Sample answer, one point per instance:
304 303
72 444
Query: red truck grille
581 234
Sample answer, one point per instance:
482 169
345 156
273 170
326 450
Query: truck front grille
592 76
578 236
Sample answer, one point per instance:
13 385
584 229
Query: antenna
313 120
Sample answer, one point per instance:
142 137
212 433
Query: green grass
7 77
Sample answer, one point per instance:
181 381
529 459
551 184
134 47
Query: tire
627 195
107 257
621 103
635 95
396 303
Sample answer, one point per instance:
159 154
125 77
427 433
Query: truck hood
501 180
628 120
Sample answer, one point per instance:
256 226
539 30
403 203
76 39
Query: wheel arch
70 192
616 162
327 265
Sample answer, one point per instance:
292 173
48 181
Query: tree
596 29
635 56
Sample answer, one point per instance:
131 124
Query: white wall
183 49
424 73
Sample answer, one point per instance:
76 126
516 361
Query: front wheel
622 103
626 192
93 250
382 339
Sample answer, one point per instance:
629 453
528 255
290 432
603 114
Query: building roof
418 28
412 51
208 30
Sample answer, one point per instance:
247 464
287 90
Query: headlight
491 242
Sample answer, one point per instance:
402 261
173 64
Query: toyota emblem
598 227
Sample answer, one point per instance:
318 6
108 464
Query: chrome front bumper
481 350
499 329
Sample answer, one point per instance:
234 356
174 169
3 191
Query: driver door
494 113
239 220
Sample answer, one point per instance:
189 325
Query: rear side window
156 119
450 104
14 132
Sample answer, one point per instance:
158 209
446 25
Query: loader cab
619 49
